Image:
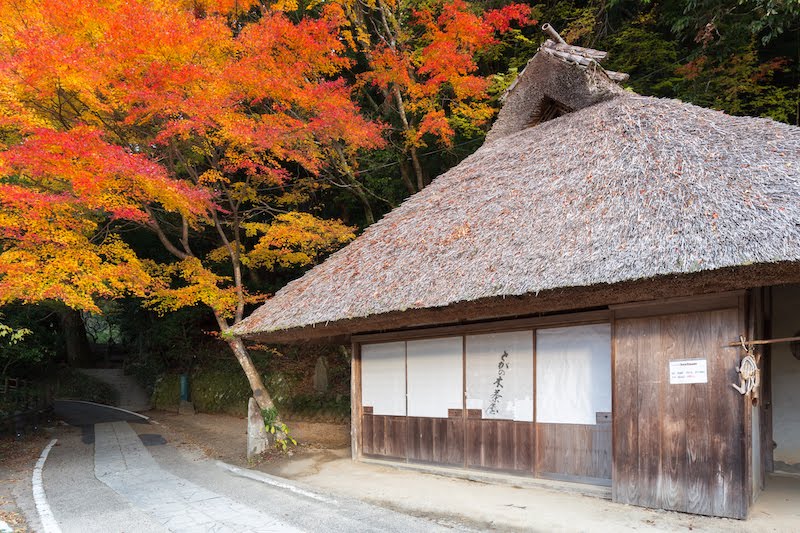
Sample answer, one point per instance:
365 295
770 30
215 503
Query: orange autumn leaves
438 74
122 113
94 96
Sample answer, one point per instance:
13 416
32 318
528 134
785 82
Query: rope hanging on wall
749 374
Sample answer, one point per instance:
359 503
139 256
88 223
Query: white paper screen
501 386
435 376
573 374
383 378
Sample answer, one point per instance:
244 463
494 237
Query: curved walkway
113 476
122 462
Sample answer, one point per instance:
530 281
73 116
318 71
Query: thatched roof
623 188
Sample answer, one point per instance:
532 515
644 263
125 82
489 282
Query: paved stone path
123 463
111 472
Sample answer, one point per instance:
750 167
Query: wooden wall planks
436 440
384 436
500 445
566 451
679 447
574 451
626 420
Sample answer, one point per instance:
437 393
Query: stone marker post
258 440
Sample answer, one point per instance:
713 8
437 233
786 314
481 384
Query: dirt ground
224 437
17 459
322 461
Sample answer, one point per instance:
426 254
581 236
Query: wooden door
679 446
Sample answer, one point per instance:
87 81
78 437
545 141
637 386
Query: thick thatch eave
628 188
554 301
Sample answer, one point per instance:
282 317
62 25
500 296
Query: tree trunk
76 345
405 174
421 180
260 393
355 187
416 165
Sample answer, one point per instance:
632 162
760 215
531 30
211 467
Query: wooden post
613 323
768 463
464 397
355 401
748 328
534 433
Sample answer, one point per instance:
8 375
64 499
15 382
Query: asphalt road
79 414
116 472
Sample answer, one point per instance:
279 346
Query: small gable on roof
558 80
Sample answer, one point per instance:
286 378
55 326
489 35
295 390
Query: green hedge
211 391
167 392
218 391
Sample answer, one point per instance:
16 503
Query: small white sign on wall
688 371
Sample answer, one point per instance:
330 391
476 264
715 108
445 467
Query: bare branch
156 228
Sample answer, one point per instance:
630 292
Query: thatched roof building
582 193
575 299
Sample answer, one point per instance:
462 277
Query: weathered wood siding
435 440
577 452
500 445
679 447
384 436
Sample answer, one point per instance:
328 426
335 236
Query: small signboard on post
688 371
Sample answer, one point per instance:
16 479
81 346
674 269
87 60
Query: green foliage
9 337
220 392
73 385
738 56
275 427
105 327
281 386
641 50
28 340
145 370
210 391
155 343
327 406
12 336
217 384
167 392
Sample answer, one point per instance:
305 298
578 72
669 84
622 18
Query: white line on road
270 480
49 524
143 417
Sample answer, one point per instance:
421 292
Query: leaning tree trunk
260 394
262 397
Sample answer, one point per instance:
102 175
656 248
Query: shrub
220 392
73 385
167 392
